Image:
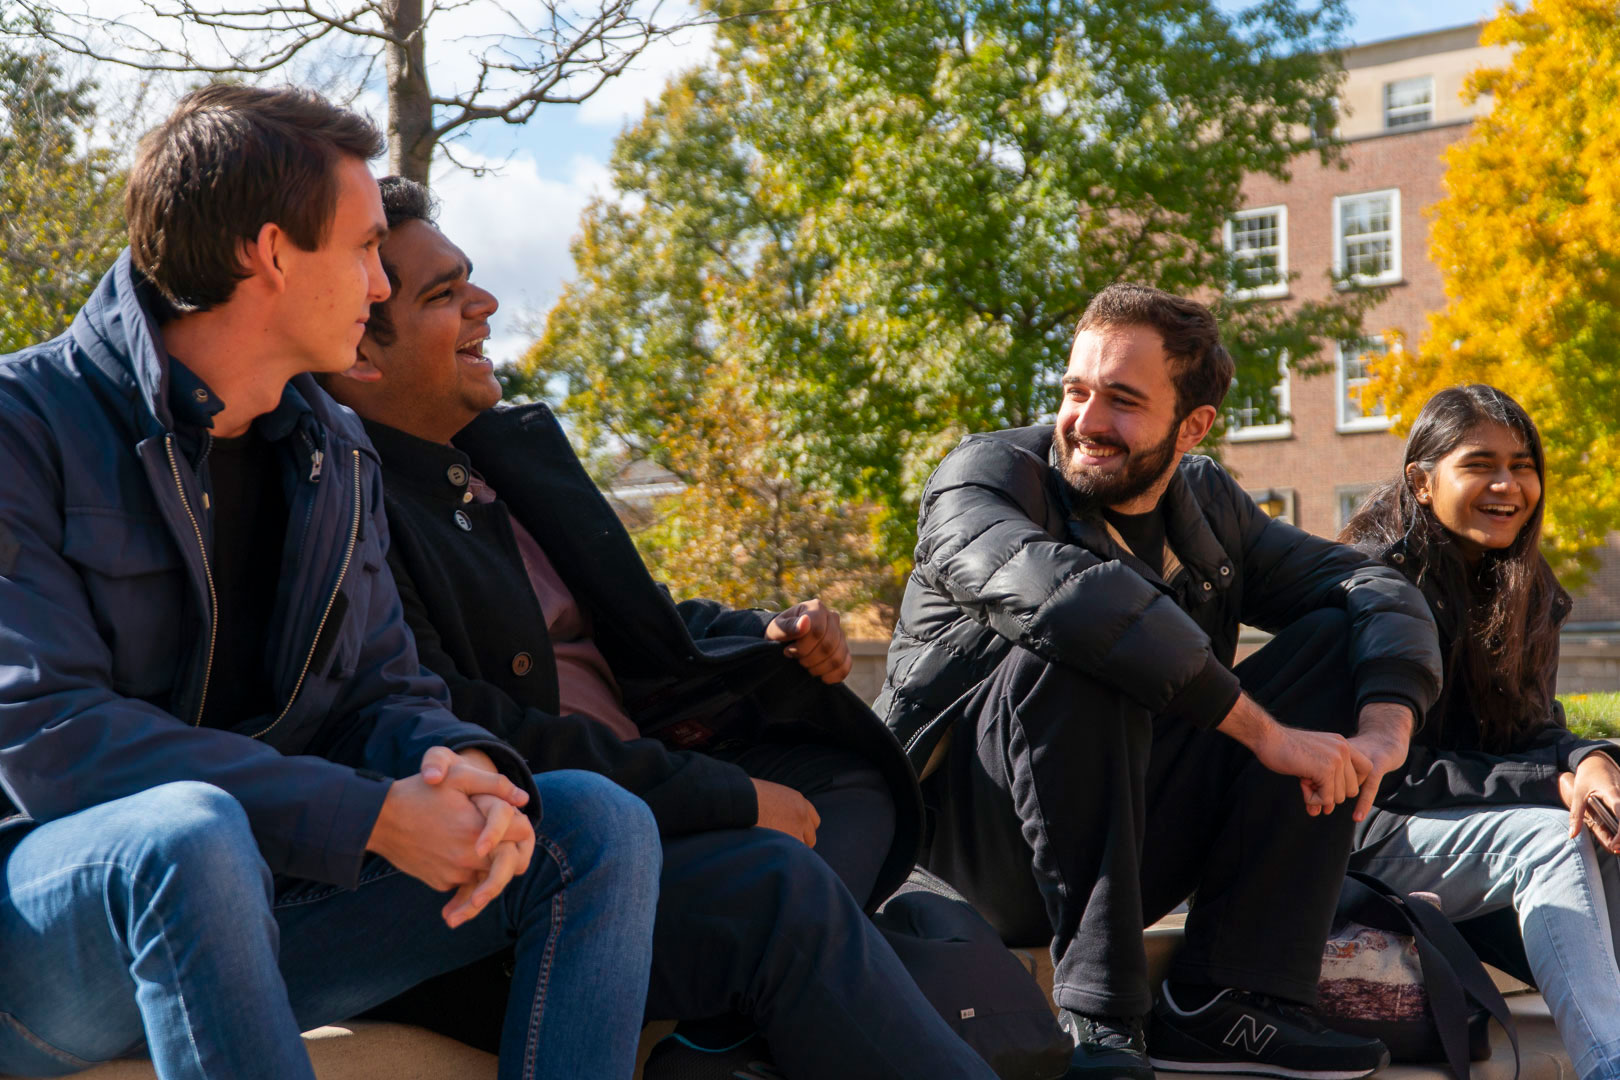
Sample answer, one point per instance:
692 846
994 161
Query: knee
200 834
598 821
188 821
1323 632
1044 694
805 892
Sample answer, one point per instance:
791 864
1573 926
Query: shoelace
1112 1032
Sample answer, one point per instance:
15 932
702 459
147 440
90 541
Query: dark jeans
1066 813
752 922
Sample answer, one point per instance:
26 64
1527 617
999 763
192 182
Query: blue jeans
152 925
1566 894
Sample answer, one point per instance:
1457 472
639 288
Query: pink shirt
585 683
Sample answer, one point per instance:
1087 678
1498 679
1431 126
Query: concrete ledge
365 1050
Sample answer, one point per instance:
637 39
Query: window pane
1367 239
1409 101
1257 247
1354 376
1250 406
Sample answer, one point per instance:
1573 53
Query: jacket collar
1447 609
117 329
432 470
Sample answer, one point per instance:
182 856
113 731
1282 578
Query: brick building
1309 448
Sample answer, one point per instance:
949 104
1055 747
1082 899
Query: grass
1594 716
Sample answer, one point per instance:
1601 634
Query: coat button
463 521
522 663
456 474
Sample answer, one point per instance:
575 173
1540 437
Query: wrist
380 842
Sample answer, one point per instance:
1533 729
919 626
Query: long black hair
1506 649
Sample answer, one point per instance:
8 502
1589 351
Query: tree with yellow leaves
1528 240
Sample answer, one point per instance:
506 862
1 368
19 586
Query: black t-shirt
1143 533
249 512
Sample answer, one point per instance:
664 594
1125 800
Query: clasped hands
457 824
1331 768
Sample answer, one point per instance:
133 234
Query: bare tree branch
549 53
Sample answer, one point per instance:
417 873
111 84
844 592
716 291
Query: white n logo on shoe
1248 1032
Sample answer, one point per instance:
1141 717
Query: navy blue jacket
108 608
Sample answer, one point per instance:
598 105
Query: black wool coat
1004 560
685 669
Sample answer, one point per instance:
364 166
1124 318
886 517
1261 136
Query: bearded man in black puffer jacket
1062 675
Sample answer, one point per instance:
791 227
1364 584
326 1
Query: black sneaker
680 1057
1243 1032
1105 1047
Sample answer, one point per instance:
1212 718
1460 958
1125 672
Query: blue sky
516 224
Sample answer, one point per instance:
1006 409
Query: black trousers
753 922
1066 813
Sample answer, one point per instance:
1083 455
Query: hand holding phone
1602 821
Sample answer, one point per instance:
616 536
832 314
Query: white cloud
515 226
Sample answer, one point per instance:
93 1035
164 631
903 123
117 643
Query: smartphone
1598 813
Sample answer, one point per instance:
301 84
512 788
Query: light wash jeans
1566 893
150 925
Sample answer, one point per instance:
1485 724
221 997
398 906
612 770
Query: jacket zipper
208 575
343 572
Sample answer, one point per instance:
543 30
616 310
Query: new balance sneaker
1243 1032
1105 1047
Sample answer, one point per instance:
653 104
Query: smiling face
429 376
329 291
1484 491
1118 435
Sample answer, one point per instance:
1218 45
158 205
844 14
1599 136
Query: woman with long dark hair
1491 810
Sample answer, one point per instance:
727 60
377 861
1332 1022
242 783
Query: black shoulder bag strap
1451 972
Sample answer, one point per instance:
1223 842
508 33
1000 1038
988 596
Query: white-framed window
1262 412
1408 102
1275 502
1257 240
1367 237
1350 497
1350 372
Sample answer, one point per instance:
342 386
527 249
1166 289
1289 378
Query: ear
1418 481
1194 427
264 257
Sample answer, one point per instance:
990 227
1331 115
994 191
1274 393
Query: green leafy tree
1528 239
897 210
61 201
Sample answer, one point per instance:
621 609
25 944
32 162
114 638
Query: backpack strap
1452 973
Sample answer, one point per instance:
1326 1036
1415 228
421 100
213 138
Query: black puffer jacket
1002 561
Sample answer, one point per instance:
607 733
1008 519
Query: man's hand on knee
1328 767
785 810
815 637
1383 736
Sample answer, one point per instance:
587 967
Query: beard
1140 470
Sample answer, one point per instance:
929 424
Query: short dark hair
228 160
403 200
1200 366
